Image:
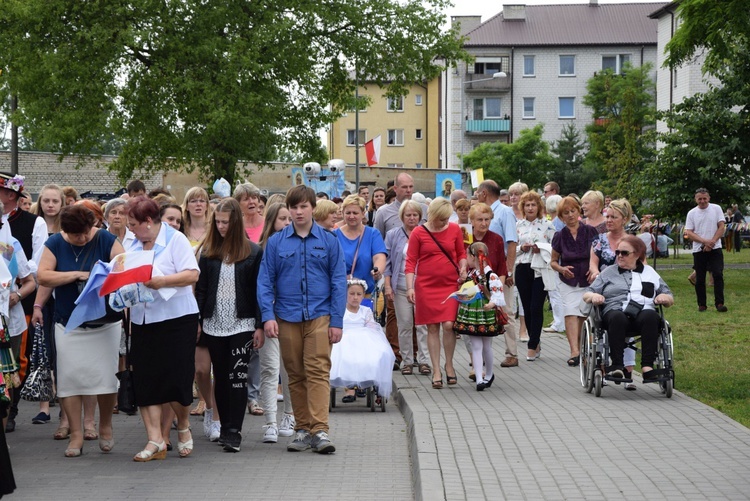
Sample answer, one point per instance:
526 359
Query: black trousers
618 325
230 356
712 262
532 294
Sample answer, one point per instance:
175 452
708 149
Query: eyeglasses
623 253
197 201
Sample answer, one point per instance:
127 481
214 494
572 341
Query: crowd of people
252 292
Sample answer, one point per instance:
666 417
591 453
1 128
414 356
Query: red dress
436 278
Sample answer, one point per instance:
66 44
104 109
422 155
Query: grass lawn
711 349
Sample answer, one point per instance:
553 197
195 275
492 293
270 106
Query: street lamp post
499 74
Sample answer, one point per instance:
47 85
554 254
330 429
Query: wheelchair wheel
371 398
664 359
588 356
598 383
382 404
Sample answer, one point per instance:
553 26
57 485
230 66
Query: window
419 166
351 134
567 66
528 66
418 134
395 104
615 63
566 107
487 68
396 166
488 107
418 99
395 137
528 107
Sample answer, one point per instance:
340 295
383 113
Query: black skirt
7 483
163 358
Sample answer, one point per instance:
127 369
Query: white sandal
185 448
147 455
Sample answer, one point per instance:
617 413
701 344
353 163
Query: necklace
74 251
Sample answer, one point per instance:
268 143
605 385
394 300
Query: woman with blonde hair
195 214
435 267
49 205
592 204
514 192
325 213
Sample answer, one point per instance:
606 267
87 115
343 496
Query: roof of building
581 24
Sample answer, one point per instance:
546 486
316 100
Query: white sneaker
215 432
279 397
208 418
270 433
286 428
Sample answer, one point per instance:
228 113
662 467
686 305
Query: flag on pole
372 150
128 268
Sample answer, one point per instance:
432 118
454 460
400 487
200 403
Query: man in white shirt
705 227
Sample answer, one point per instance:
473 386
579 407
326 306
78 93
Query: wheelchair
594 346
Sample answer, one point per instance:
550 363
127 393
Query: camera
311 168
336 165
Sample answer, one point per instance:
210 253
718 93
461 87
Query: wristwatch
510 274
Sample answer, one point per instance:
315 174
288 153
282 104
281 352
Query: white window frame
396 134
620 60
350 134
395 109
533 108
485 116
396 166
559 110
418 135
418 100
560 63
533 66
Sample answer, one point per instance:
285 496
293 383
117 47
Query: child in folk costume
363 357
477 315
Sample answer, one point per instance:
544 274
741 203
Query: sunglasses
623 253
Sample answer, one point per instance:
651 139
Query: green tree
208 83
526 159
707 141
623 106
570 170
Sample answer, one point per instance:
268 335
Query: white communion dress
363 357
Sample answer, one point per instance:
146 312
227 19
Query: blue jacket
302 279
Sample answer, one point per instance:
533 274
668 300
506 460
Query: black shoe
10 426
481 386
361 393
489 383
232 441
650 376
41 418
721 308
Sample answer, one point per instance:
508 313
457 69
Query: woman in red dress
435 254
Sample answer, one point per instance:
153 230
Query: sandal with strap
147 455
437 384
90 434
199 409
406 370
451 379
185 448
62 433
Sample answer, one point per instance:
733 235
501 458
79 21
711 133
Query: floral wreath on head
14 183
356 281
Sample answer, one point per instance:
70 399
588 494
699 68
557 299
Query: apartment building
409 128
531 66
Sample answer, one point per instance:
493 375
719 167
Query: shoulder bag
126 391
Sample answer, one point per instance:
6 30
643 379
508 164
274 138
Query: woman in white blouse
532 230
163 331
230 317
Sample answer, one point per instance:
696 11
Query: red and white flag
128 268
372 150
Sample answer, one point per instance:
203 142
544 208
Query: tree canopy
207 84
526 159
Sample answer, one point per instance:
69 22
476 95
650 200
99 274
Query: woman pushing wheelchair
629 293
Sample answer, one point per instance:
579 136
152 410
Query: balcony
488 84
487 126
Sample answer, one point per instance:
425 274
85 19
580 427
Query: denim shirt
504 223
302 279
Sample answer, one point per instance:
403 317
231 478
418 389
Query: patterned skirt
473 320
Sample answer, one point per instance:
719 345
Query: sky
488 8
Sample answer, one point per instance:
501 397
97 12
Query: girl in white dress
363 357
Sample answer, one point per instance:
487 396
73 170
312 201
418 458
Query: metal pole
356 129
463 125
13 138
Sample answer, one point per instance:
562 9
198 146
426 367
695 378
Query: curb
427 478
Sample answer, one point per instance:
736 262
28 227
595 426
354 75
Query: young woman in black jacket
229 313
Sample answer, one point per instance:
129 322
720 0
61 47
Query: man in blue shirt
302 296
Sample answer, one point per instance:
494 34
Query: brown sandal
406 370
437 384
424 369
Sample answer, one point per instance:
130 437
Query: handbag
38 385
126 391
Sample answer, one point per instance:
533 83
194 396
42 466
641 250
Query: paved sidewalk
536 434
371 463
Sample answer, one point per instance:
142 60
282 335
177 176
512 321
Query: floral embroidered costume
472 318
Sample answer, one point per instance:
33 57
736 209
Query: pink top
254 233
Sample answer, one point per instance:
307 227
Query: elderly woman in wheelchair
629 295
